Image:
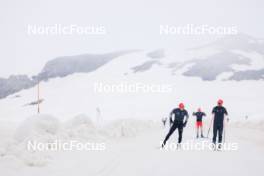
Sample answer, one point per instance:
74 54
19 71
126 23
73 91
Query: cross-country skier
219 112
199 121
179 122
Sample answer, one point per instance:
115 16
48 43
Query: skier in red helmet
179 122
199 121
219 113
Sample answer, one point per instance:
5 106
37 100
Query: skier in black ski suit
219 112
178 122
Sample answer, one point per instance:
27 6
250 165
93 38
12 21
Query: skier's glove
184 124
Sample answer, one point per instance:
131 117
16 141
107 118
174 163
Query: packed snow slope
96 94
131 147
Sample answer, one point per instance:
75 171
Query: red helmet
220 102
181 106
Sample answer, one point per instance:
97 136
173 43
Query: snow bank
81 128
44 128
127 127
250 124
37 126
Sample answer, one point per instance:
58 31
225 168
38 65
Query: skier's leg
197 130
180 130
202 131
220 133
214 133
172 129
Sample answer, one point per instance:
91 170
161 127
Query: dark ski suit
177 123
219 113
199 116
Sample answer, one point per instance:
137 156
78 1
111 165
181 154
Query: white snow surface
130 124
131 149
257 61
69 96
46 128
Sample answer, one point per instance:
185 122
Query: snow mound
46 129
127 128
81 127
37 126
80 120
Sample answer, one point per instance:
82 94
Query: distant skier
199 121
180 120
164 120
219 112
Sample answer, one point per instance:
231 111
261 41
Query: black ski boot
219 147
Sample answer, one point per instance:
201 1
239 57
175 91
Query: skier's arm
213 115
171 121
187 116
186 120
226 115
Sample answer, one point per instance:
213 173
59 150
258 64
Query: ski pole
209 128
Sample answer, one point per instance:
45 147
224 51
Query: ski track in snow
109 167
139 155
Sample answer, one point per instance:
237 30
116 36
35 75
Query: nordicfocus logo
200 146
132 88
191 29
59 30
59 145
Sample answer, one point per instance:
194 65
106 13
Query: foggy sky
130 24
